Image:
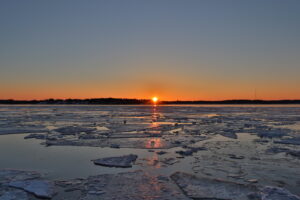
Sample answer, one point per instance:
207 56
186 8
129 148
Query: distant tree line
124 101
237 101
109 101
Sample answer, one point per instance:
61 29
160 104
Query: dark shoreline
120 101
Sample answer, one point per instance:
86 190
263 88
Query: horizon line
111 100
125 98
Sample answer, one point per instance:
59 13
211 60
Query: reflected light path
155 142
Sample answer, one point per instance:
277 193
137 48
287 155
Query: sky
173 49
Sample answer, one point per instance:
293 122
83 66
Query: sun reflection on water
154 143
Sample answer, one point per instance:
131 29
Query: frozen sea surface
252 145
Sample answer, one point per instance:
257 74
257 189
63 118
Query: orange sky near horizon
167 80
140 91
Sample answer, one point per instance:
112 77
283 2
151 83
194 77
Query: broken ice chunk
40 188
121 161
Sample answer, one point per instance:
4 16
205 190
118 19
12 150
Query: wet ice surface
255 146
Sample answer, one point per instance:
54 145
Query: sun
154 99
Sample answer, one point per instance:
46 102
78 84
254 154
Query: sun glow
154 99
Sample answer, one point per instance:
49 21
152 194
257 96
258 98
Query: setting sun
154 99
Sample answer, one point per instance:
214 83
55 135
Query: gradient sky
175 49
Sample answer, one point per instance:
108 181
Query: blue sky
174 49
